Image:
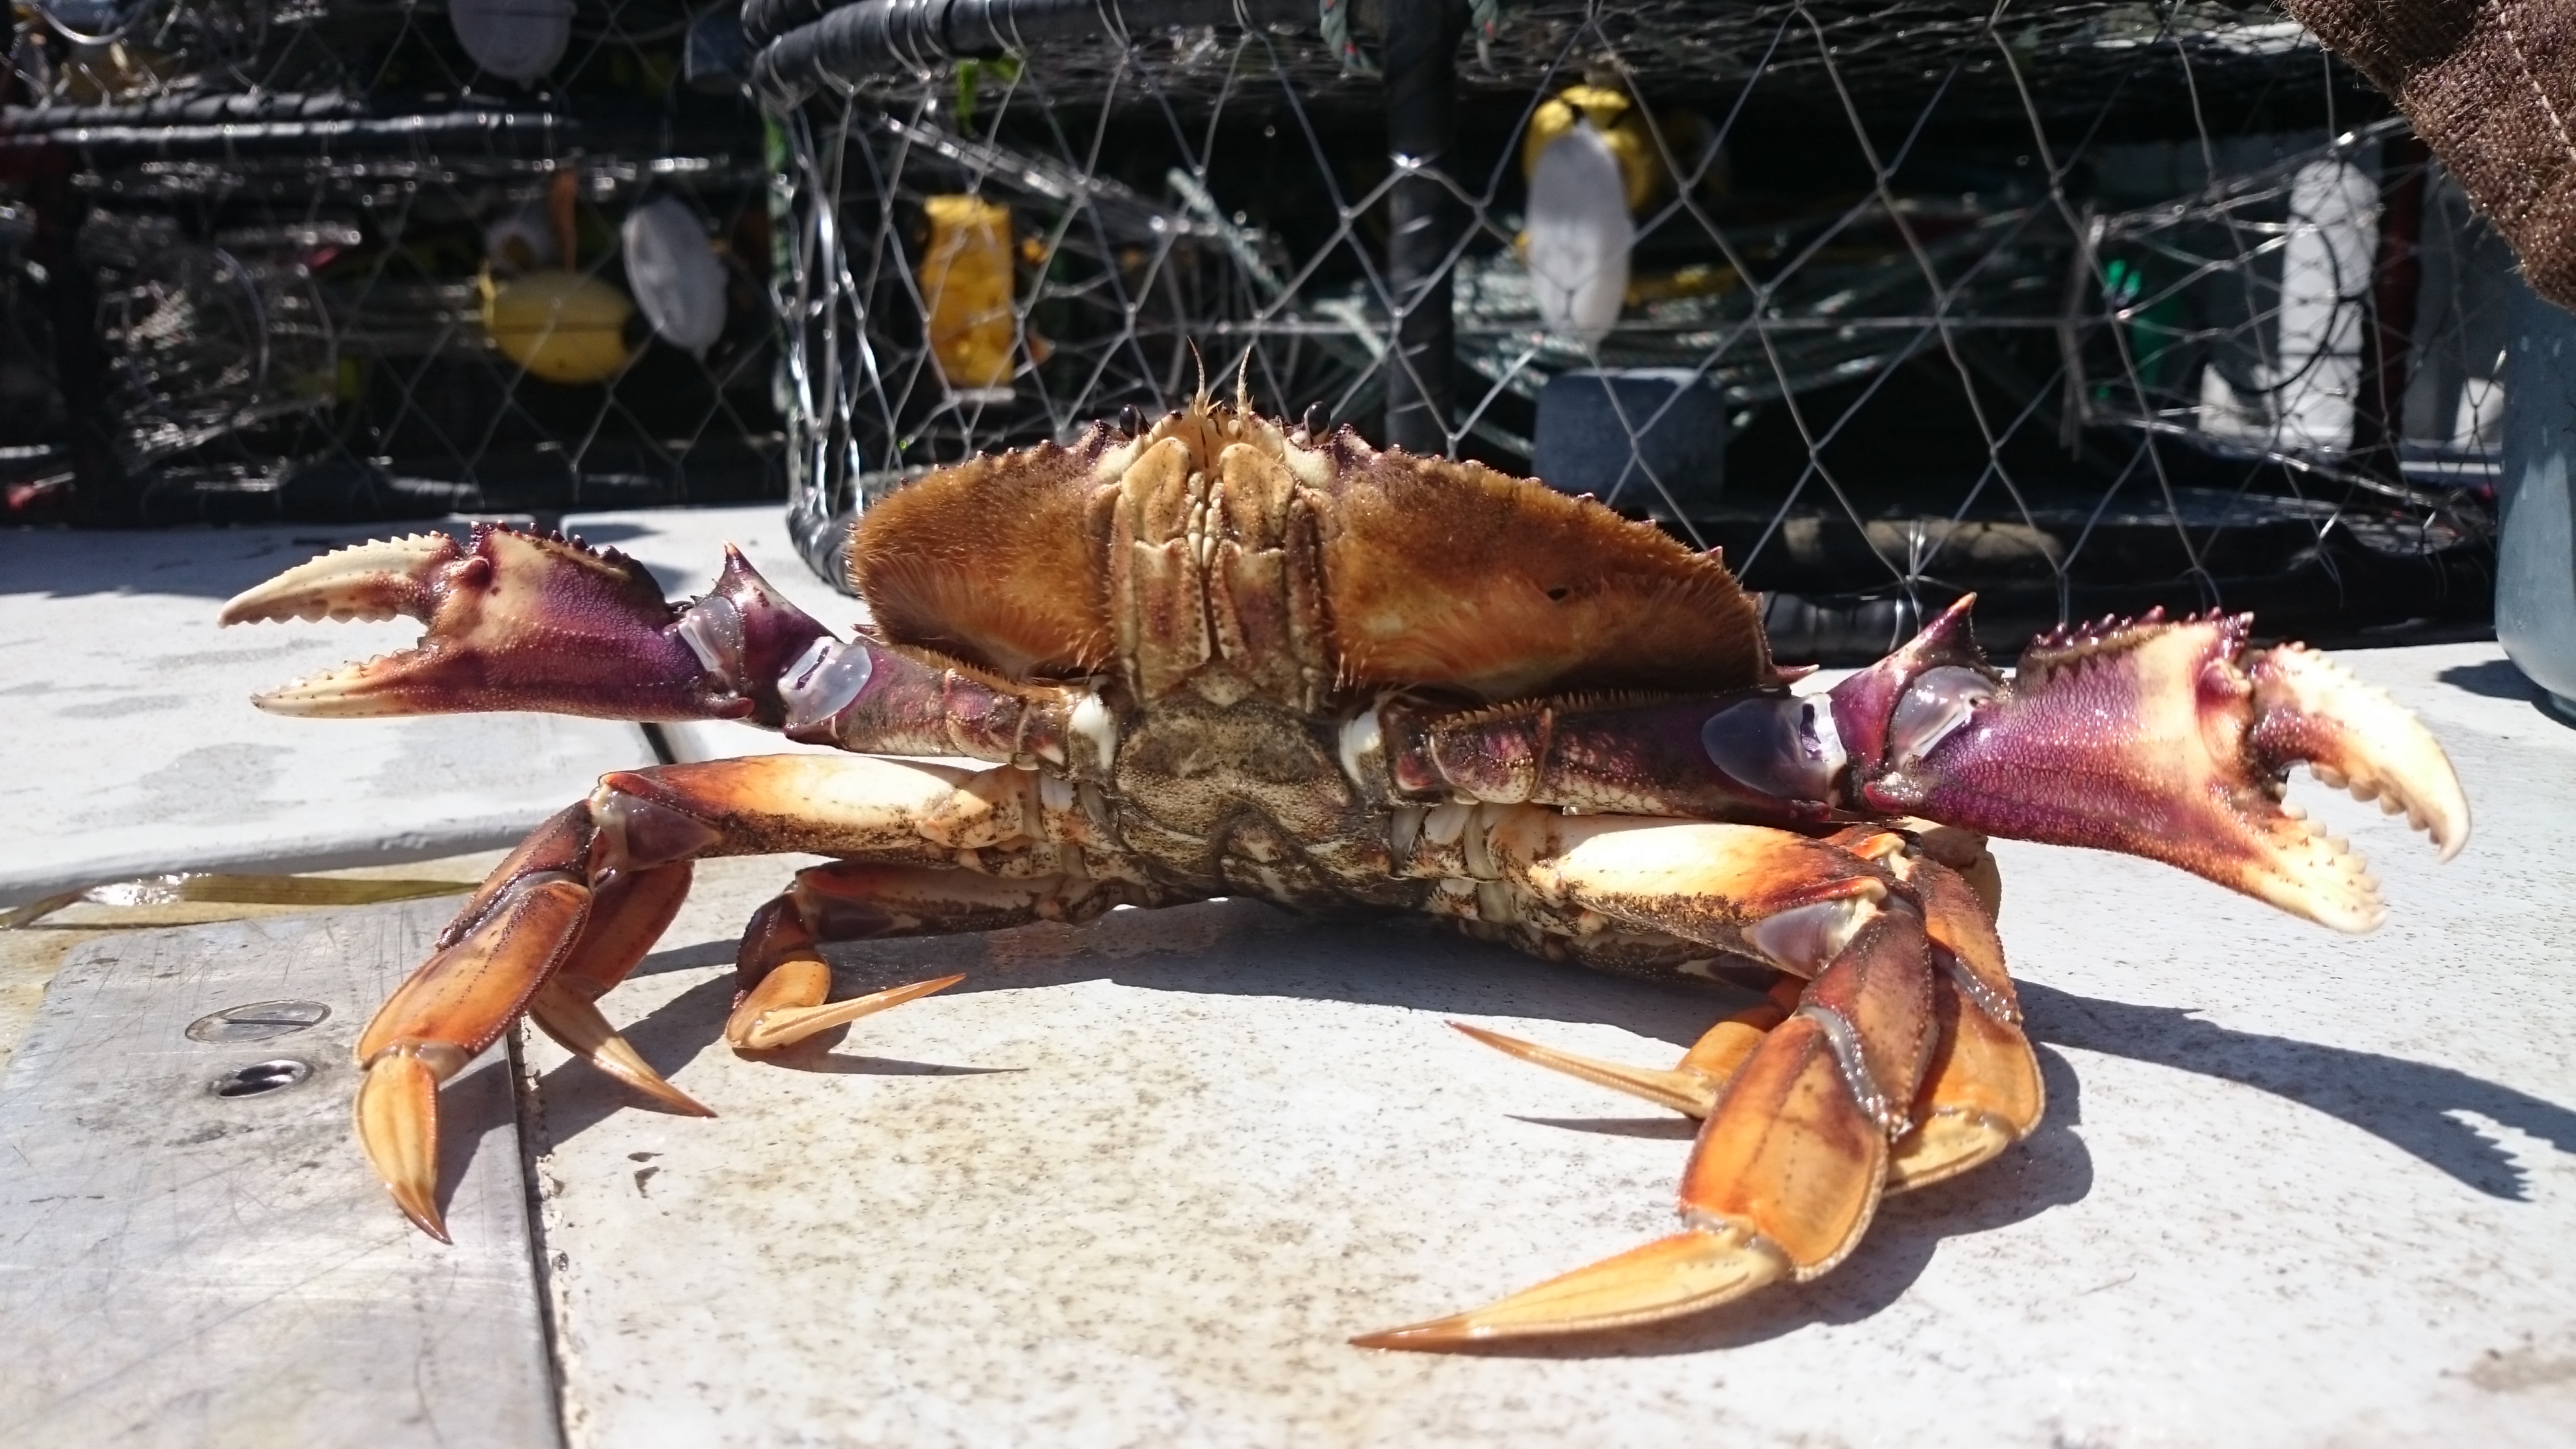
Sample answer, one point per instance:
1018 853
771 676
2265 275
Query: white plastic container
2536 499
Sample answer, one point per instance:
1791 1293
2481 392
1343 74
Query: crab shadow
471 1109
1242 948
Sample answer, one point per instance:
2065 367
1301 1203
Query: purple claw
522 621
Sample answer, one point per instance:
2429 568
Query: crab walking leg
1981 1091
782 981
589 889
629 911
1790 1164
1692 1085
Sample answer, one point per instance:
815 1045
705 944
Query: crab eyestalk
2168 739
522 621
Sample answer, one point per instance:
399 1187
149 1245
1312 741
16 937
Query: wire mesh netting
2084 307
383 257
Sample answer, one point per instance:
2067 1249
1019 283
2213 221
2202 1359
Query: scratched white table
1136 1184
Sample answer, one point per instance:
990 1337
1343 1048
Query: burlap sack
2491 87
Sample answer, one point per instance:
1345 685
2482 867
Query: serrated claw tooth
379 579
2354 737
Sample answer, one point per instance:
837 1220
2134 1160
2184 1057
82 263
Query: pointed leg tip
574 1021
423 1216
770 1028
1431 1335
397 1113
675 1100
1688 1092
1687 1273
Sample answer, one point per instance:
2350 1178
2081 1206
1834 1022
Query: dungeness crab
1227 657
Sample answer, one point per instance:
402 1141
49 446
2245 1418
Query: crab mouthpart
515 621
2171 740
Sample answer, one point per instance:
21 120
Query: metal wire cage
2082 306
375 258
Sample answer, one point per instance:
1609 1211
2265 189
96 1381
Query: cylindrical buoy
1579 234
674 273
560 326
965 278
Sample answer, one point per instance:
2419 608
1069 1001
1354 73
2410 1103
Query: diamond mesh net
2085 307
278 256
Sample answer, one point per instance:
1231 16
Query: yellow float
560 326
965 281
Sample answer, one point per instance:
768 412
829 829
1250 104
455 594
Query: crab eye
1933 708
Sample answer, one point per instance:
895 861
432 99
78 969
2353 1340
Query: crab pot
334 262
2107 325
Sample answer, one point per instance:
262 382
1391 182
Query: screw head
258 1021
261 1078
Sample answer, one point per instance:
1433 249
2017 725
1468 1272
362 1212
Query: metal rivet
259 1077
258 1021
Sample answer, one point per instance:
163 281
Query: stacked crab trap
270 258
2084 307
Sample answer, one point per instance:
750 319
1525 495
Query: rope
1335 20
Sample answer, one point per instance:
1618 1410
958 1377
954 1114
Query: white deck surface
1136 1183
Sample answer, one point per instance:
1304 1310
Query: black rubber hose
1421 64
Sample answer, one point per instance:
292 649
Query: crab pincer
2170 739
534 621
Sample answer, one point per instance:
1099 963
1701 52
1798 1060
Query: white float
674 274
1579 235
517 40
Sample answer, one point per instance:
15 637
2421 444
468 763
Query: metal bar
1420 60
2379 413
